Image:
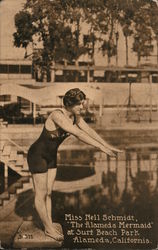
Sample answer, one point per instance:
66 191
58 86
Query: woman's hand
116 150
111 151
107 151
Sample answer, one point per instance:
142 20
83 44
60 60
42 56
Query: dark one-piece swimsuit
42 155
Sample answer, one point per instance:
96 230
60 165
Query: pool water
101 186
128 185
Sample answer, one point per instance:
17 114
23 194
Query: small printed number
25 236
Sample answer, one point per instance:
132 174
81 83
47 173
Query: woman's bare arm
62 121
92 133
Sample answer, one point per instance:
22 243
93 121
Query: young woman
42 155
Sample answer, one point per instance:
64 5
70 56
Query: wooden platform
29 236
8 230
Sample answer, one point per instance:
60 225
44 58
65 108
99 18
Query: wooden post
52 75
30 108
5 175
88 75
100 113
34 113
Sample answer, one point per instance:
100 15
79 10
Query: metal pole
129 102
150 99
117 37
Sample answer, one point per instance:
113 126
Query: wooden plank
13 155
2 143
20 160
7 231
111 68
6 150
29 236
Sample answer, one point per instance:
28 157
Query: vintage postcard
78 124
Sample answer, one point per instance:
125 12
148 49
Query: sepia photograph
79 124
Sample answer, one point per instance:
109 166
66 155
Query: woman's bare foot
53 233
54 225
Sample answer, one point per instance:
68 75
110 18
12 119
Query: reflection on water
131 170
128 185
5 183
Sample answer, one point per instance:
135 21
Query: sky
8 9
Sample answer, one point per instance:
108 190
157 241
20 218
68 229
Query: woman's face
76 109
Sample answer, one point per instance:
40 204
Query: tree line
57 26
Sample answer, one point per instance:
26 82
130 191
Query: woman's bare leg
40 186
50 183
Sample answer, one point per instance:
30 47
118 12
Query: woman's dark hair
73 97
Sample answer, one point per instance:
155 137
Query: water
101 186
136 166
127 185
6 183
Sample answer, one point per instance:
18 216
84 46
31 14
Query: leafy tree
154 22
112 11
50 24
142 30
126 15
25 29
53 29
102 17
93 12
